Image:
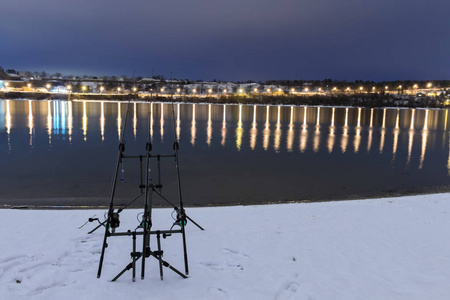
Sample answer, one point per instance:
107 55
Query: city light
255 90
373 88
101 89
361 88
210 91
194 91
429 85
386 88
279 90
69 87
29 85
162 90
268 90
348 89
241 91
134 89
118 89
415 86
83 88
292 90
224 91
48 86
178 90
335 89
399 86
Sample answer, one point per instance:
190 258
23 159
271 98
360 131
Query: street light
386 88
361 88
162 90
69 87
255 90
429 85
210 91
415 86
134 89
306 89
225 91
48 86
292 90
178 90
241 91
83 88
268 90
194 91
29 85
335 89
118 89
101 89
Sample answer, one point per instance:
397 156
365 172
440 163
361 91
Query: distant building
59 89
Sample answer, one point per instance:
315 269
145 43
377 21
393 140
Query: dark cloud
235 40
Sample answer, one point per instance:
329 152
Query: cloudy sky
230 39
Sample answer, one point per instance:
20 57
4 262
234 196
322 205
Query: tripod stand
149 189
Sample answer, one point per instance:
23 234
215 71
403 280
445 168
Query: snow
390 248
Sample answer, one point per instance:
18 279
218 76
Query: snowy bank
392 248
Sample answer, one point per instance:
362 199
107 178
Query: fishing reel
115 221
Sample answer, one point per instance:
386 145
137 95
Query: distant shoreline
359 100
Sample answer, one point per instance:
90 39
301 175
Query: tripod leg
129 266
166 264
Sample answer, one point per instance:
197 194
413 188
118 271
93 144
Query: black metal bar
159 173
134 256
141 184
128 233
113 189
151 156
158 239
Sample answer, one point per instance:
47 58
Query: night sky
230 40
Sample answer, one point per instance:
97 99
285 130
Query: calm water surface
64 153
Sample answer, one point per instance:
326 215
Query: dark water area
64 153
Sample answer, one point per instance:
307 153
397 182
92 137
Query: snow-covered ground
396 248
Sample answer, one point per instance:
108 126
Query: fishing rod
181 215
146 218
113 218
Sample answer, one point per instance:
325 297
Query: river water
64 153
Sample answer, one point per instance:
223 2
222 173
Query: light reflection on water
321 140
